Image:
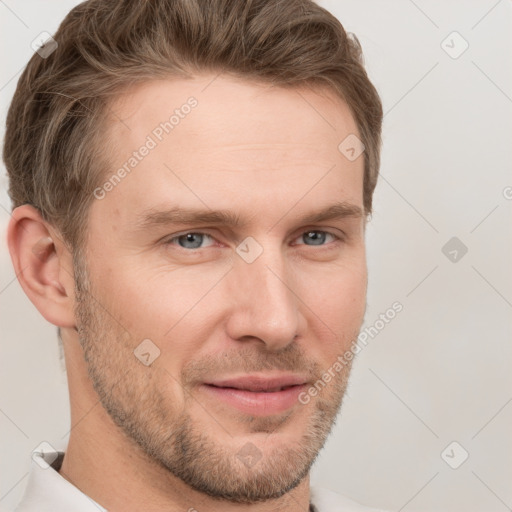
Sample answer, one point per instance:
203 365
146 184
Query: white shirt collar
48 491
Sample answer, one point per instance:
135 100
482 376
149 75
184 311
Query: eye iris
194 240
189 237
318 237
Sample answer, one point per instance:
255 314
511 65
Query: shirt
48 491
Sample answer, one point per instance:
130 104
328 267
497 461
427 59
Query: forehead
230 112
211 137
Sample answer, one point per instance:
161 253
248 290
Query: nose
264 303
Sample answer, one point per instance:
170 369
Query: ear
43 265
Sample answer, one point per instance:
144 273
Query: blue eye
317 237
189 240
194 240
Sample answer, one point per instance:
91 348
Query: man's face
288 302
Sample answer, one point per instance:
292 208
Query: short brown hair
53 147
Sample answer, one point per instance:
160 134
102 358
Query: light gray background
440 371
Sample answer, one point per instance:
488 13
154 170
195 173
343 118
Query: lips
254 389
260 383
256 395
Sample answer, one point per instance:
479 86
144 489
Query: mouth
257 395
255 389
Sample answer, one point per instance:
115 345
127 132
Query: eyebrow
191 216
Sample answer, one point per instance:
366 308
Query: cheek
155 304
336 304
338 290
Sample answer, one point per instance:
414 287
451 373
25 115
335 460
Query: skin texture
149 437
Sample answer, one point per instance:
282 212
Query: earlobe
43 265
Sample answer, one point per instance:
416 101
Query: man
191 182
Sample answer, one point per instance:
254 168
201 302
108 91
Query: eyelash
169 241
